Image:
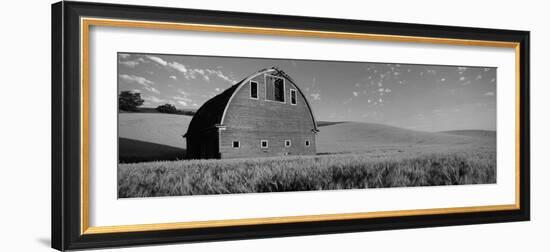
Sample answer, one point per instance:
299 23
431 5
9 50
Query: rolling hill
155 136
151 136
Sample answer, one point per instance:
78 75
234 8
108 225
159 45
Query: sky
419 97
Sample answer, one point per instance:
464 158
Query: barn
263 115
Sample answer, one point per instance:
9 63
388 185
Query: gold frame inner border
86 23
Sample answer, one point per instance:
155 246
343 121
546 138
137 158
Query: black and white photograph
255 126
199 125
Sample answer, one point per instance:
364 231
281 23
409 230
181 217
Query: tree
129 101
167 108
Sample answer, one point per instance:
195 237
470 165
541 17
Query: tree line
131 101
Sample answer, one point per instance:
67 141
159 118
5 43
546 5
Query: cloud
179 98
147 84
479 77
154 99
220 75
173 77
136 79
462 78
182 103
152 89
380 90
493 80
129 63
158 60
489 94
191 73
178 66
355 94
443 79
182 92
218 89
316 96
387 90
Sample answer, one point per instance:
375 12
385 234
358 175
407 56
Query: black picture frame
66 156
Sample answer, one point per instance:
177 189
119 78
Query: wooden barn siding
204 145
249 121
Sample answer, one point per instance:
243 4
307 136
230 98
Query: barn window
288 143
254 90
236 144
264 144
307 143
293 96
279 91
274 88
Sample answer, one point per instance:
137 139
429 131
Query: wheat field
304 173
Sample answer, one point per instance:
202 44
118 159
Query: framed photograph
180 125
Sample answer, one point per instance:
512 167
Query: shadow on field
134 151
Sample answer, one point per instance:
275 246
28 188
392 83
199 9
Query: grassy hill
151 136
157 136
379 139
350 155
472 133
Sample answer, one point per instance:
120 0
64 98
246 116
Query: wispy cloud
315 96
124 60
178 66
179 98
173 77
137 79
152 89
431 71
191 73
355 93
129 63
489 94
157 60
147 84
154 99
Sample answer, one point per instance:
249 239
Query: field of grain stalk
303 173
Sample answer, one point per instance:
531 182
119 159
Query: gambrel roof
211 114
